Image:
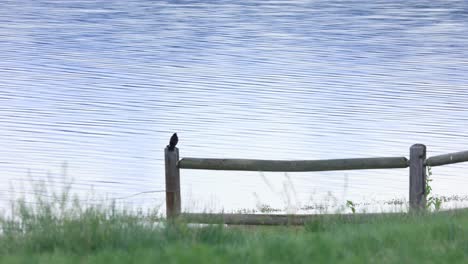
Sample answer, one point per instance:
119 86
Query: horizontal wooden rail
272 219
293 165
445 159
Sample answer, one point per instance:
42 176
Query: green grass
49 232
56 228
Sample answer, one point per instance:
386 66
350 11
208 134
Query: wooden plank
173 203
417 182
293 165
278 219
445 159
275 219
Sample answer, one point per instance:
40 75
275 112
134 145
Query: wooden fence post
417 182
173 203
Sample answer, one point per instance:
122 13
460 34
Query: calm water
101 87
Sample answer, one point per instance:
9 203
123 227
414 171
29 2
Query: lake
93 90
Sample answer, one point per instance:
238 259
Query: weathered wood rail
269 219
293 165
445 159
417 180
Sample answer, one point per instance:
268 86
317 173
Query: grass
48 232
56 228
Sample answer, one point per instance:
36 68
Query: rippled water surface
94 90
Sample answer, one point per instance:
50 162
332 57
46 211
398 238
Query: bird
173 142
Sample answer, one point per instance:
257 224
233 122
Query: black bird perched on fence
173 142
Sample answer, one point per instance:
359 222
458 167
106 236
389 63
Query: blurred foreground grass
54 227
52 232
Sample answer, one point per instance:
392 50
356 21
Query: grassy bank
54 233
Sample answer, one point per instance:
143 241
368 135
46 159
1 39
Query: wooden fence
417 178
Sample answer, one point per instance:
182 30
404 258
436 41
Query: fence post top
418 146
